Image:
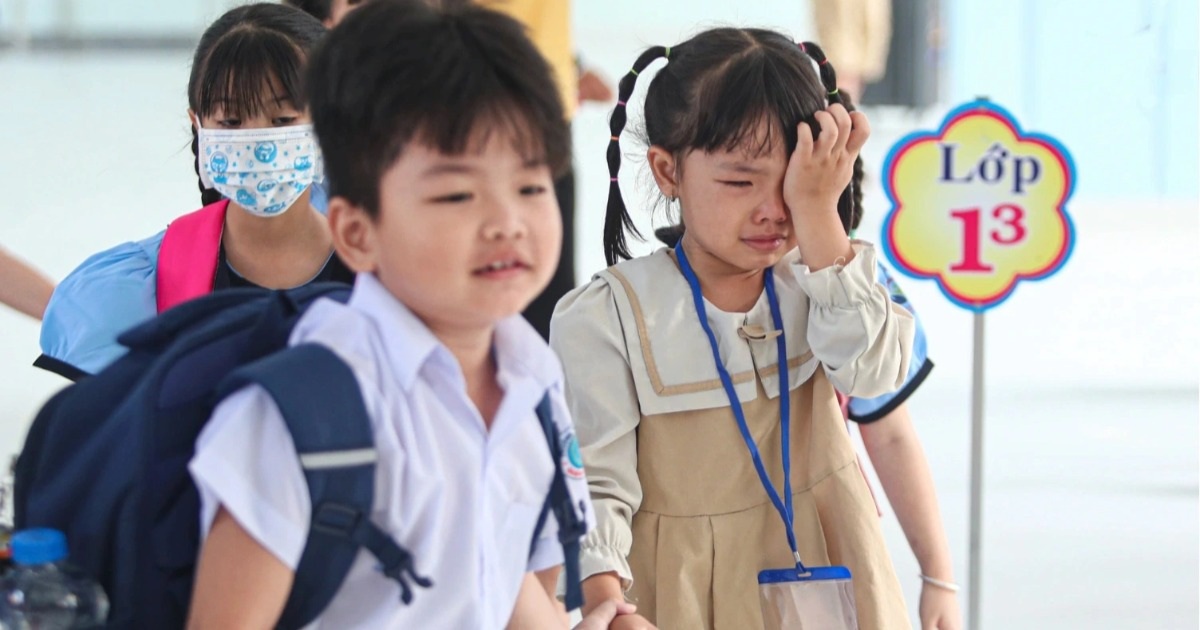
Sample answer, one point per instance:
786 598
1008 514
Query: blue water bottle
43 592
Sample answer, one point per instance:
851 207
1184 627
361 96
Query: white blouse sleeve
586 332
861 337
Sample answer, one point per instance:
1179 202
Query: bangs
480 82
754 88
473 126
248 72
452 77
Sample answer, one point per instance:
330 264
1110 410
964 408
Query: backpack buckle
402 567
336 519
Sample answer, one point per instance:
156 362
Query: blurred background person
855 35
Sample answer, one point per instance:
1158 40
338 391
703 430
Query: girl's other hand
939 609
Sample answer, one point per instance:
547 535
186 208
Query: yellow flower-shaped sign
978 205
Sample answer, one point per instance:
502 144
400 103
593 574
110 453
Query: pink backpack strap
187 260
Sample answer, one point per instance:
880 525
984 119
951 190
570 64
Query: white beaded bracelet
949 586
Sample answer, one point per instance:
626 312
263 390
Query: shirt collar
407 341
409 344
521 351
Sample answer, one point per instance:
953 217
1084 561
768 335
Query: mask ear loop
201 167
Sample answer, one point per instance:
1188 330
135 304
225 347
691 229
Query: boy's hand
631 622
603 615
819 171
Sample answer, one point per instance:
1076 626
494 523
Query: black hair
397 71
245 54
319 9
713 93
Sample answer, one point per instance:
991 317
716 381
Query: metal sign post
978 205
975 566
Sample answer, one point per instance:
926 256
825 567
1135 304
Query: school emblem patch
572 458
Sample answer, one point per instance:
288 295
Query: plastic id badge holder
800 597
819 598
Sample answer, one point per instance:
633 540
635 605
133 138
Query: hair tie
615 139
833 92
622 103
633 71
668 52
802 48
614 179
823 62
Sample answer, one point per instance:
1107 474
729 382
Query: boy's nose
504 221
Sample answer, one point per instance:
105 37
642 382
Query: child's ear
193 118
354 235
663 166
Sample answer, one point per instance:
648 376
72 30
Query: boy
442 132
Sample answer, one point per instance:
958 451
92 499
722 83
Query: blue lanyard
784 506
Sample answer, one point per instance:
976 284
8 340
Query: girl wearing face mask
257 161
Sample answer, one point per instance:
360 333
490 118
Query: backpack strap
187 258
320 400
571 528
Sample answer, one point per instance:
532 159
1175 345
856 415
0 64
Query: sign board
978 205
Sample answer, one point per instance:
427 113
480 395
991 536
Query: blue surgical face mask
262 170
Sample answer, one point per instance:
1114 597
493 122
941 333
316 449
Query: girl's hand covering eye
818 171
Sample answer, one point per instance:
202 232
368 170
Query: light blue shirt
871 409
109 293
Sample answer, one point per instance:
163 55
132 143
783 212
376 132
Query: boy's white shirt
462 499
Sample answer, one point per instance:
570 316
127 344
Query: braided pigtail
856 194
617 220
850 202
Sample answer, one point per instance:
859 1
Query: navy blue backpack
105 461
